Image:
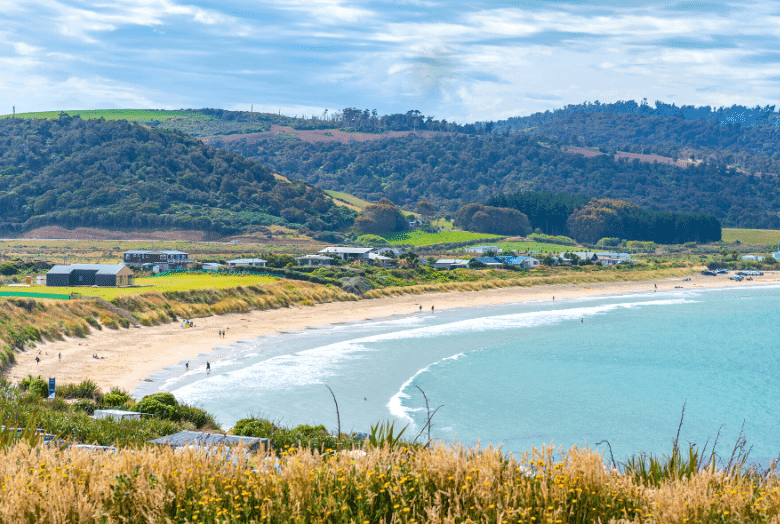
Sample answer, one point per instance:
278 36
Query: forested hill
452 170
117 174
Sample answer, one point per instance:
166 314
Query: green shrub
165 406
114 400
85 389
84 405
371 240
280 438
35 385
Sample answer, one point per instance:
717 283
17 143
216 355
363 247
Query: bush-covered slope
452 170
115 174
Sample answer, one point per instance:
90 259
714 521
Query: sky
463 61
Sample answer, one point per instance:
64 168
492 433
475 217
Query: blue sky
463 61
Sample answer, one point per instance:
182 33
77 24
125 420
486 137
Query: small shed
104 275
489 261
197 438
752 258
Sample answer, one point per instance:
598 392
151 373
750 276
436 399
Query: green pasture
537 247
142 115
172 282
349 199
421 238
752 237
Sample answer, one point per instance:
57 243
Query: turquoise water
571 372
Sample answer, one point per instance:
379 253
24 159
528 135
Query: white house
522 261
481 250
450 263
241 262
776 256
754 258
348 253
314 260
375 259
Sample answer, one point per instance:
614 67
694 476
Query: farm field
357 203
536 247
161 284
140 115
751 237
421 238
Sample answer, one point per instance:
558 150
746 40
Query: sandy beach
127 357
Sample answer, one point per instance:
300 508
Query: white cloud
331 12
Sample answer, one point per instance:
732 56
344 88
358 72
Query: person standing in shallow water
208 367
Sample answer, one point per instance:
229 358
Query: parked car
736 277
721 271
708 272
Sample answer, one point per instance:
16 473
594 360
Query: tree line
591 219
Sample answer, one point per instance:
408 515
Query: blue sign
51 388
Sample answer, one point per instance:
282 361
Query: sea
575 372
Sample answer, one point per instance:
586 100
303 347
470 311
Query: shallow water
572 372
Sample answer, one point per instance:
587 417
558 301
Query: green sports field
172 282
421 238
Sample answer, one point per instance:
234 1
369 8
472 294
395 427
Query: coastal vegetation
398 484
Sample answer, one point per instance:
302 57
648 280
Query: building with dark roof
164 260
104 275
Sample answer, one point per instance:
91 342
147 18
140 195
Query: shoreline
128 357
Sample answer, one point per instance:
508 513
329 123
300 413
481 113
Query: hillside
450 170
115 174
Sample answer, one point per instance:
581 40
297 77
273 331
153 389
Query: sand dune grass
400 485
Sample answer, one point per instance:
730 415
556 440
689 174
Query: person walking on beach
431 309
37 360
208 367
187 366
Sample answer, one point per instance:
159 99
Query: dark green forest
453 170
589 220
115 174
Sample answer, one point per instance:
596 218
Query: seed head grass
394 485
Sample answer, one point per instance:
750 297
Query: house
104 275
450 263
164 260
211 266
243 262
481 250
489 261
776 256
375 259
314 260
522 261
348 253
417 222
753 258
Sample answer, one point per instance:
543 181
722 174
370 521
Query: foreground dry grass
402 485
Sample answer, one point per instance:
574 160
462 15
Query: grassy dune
386 484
